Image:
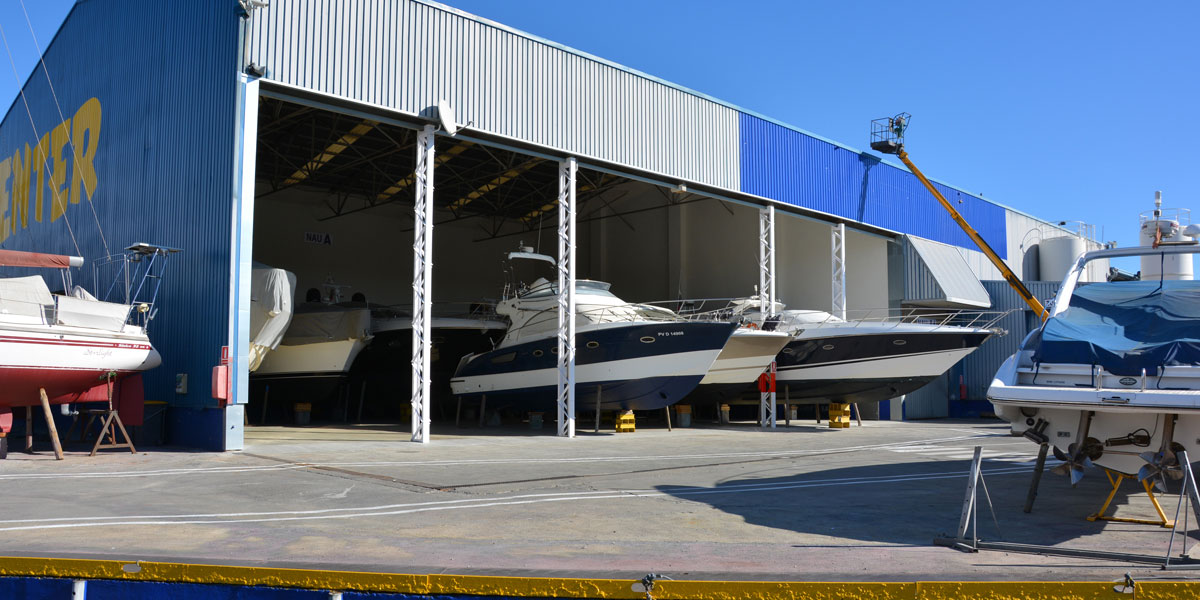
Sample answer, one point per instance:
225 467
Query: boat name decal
35 177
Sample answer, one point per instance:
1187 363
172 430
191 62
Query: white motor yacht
634 356
1112 377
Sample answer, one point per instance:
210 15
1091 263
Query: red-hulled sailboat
66 343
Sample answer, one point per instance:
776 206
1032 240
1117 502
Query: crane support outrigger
887 136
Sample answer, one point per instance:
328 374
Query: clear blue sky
1067 111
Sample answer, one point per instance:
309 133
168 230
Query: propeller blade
1062 469
1076 475
1150 457
1087 462
1160 484
1147 471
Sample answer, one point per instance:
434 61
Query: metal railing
743 309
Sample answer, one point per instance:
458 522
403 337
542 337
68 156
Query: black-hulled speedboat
638 357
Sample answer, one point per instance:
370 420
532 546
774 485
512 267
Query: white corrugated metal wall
406 56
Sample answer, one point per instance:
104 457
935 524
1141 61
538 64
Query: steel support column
566 297
766 297
766 260
837 240
241 261
422 329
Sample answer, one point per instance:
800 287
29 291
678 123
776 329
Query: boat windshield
542 288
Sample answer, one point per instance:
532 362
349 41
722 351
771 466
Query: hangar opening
333 241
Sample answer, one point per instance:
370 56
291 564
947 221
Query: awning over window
936 276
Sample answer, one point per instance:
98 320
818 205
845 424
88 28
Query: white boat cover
24 296
272 293
315 323
94 314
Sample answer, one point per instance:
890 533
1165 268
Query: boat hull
869 367
65 364
745 356
385 366
310 361
638 366
1058 412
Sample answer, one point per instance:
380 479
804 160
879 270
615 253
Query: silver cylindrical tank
1056 256
1164 225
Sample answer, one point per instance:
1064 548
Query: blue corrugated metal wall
789 166
164 78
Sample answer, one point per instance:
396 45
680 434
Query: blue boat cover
1125 327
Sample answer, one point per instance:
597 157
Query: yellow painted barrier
550 587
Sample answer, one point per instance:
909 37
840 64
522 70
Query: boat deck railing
734 309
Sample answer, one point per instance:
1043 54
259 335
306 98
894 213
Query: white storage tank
1165 225
1057 255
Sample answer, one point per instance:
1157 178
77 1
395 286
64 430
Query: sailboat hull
65 364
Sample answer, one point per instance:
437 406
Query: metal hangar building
290 133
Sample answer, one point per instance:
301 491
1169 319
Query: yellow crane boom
887 136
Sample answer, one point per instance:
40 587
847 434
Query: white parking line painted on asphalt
460 504
467 462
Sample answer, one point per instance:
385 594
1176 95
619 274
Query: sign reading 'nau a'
34 180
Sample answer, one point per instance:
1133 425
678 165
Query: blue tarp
1125 327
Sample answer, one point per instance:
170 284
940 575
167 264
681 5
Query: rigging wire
70 137
46 158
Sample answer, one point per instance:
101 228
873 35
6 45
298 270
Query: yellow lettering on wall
40 163
70 146
85 136
20 188
6 219
58 177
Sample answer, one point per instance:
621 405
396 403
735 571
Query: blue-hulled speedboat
638 357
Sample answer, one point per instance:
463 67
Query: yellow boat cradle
42 576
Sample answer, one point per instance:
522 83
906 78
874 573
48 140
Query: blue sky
1067 111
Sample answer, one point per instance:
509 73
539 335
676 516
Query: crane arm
1009 276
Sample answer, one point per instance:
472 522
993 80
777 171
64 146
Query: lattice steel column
766 260
422 326
766 296
566 297
837 240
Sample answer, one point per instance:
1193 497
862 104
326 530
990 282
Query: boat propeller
1077 458
1164 462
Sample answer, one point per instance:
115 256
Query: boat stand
1116 481
109 425
458 410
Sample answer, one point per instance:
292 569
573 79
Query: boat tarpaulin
17 258
1125 327
313 323
25 296
81 312
272 293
